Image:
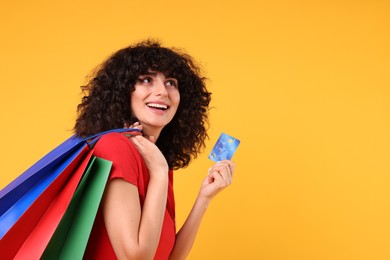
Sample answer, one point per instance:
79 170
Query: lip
156 110
158 103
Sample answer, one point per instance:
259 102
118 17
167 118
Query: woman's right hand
153 157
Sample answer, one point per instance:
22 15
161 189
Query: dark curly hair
106 104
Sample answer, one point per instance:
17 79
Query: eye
172 83
145 79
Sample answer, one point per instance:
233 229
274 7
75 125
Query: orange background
303 84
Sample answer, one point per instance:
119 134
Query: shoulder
126 161
114 144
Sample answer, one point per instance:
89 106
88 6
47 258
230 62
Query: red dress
129 166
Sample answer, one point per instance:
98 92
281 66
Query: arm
135 234
220 176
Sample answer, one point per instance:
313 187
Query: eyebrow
154 73
150 73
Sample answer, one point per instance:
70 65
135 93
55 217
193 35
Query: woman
161 92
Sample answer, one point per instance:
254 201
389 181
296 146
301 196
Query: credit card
224 148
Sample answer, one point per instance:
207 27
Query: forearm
134 232
152 216
186 236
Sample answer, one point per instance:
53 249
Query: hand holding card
224 148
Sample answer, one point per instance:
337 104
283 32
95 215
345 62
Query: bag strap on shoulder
91 140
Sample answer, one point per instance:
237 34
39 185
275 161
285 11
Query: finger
223 165
135 140
216 179
139 127
226 176
136 125
223 172
231 164
139 141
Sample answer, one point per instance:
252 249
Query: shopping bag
40 236
19 228
71 236
24 201
23 183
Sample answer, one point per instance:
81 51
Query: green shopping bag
70 239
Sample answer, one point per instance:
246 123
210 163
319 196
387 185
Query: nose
160 89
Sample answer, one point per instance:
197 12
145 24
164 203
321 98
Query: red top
129 166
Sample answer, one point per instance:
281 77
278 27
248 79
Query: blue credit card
224 148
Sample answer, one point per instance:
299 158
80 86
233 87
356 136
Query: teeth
157 105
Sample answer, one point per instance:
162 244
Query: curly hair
106 102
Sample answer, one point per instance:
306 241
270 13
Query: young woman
161 92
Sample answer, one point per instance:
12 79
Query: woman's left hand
219 177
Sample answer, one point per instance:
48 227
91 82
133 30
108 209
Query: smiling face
154 101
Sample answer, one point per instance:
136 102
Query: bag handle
91 140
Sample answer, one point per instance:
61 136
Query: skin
135 234
154 88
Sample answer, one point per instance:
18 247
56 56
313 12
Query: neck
148 131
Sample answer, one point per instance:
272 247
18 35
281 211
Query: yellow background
303 84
